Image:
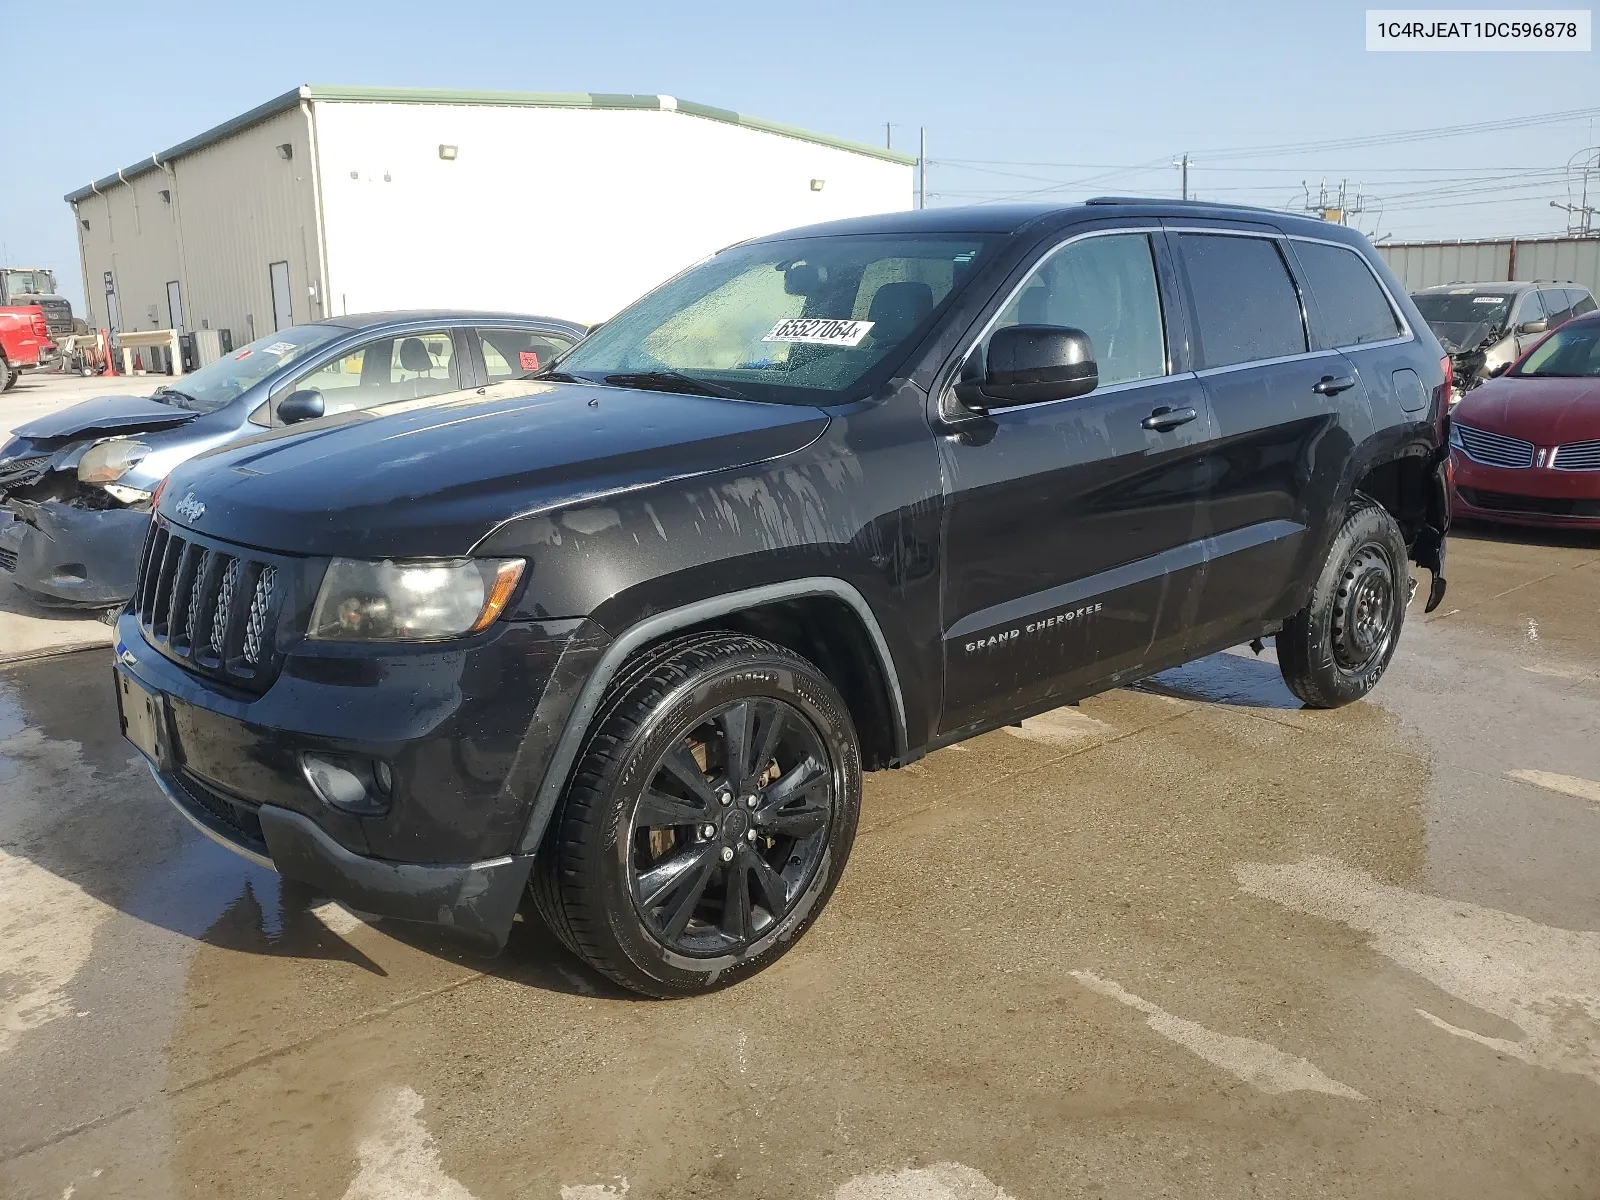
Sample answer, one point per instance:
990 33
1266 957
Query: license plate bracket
144 719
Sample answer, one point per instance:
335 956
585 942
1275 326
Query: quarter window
1582 302
1105 286
1245 305
1353 308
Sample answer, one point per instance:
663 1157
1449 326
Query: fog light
351 785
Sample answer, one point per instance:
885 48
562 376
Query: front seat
898 308
414 357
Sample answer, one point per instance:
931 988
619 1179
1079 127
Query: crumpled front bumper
71 554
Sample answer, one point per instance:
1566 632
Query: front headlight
419 601
109 461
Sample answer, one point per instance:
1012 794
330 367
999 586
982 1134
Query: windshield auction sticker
819 331
1474 29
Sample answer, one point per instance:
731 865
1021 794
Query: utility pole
1183 165
1580 218
888 136
922 167
1337 208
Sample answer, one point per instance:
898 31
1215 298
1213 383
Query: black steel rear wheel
1335 649
708 820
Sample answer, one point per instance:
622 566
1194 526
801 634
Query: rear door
1074 530
1275 403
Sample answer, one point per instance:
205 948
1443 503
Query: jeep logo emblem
190 508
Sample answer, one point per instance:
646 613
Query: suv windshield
1463 308
799 320
225 380
1571 352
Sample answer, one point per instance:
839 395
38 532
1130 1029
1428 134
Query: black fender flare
659 625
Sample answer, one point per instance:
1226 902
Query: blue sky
1084 91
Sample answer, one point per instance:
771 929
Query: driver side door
1075 528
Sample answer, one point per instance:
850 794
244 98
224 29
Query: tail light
40 328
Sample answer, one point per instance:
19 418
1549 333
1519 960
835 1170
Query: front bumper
73 555
1536 496
466 729
477 900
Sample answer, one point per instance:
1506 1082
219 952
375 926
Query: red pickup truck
24 342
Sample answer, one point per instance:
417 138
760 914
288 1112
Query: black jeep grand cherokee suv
628 635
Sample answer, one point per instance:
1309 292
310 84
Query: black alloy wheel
709 817
731 827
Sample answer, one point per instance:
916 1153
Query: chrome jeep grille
210 606
1493 449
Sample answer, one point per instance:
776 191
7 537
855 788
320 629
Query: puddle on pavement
1232 677
1544 981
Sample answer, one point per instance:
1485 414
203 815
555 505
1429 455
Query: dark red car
1525 446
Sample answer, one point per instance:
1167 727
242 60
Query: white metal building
331 200
1553 259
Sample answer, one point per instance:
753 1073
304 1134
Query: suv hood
105 415
425 479
1546 412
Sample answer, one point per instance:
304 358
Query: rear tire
1334 650
708 820
8 376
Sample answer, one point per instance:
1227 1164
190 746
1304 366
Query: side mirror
1533 326
1027 364
1499 369
304 405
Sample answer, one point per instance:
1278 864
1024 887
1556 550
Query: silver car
76 485
1485 327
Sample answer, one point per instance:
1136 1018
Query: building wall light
816 184
286 151
448 153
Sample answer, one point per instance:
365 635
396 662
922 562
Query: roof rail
1276 212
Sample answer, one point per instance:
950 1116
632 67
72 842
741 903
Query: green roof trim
392 95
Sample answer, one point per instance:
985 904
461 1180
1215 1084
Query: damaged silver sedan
76 486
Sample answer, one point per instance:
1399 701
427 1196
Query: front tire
1334 650
8 375
709 819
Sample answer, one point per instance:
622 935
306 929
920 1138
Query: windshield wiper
557 376
672 381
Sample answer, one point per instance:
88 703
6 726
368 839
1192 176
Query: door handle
1332 385
1167 418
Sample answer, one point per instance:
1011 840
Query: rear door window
518 353
1353 308
1105 286
1245 305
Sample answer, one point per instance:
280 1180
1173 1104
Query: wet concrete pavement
1185 940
